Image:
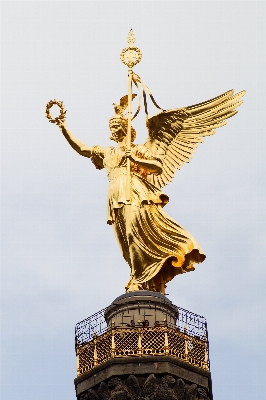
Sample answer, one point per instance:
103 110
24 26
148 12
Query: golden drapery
153 244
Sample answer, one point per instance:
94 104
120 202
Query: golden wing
175 134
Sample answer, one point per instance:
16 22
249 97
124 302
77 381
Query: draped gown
153 244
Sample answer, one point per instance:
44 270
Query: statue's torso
142 191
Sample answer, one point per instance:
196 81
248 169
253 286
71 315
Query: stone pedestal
147 378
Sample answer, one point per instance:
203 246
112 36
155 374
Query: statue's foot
133 287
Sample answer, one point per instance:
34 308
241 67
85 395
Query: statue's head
118 127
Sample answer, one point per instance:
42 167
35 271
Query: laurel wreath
62 115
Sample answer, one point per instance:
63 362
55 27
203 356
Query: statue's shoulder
99 154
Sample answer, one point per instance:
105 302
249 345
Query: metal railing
85 329
187 340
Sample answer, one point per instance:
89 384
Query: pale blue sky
60 261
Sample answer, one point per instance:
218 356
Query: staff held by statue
130 56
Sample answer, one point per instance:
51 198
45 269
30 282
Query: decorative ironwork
187 340
194 324
85 329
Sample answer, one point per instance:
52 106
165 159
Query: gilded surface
141 342
155 247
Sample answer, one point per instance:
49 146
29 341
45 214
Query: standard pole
130 57
128 190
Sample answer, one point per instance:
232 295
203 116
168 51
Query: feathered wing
175 134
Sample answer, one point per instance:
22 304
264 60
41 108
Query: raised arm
76 144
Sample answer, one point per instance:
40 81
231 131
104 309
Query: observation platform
144 334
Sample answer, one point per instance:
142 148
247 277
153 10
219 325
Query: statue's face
117 131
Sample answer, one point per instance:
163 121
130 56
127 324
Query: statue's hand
61 124
128 154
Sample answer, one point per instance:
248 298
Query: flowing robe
153 244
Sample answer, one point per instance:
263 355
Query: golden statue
153 244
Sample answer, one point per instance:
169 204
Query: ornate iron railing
187 340
85 329
196 325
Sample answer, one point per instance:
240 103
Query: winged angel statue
155 247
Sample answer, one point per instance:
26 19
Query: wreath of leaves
62 115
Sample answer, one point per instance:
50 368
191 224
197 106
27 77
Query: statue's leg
159 248
125 238
142 260
155 246
119 227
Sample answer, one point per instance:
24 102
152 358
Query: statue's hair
124 123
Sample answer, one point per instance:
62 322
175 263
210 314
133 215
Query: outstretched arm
75 143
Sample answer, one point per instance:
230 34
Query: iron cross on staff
130 56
